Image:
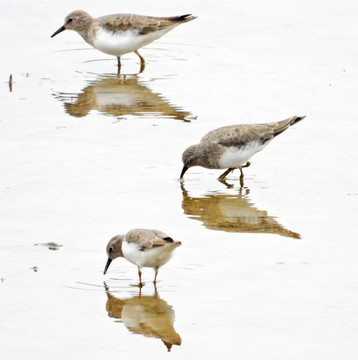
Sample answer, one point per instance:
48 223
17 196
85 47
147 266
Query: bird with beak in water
230 147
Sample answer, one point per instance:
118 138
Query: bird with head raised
119 34
231 147
142 247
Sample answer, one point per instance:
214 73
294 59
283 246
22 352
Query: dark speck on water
50 245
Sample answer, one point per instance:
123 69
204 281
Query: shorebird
120 34
232 146
142 247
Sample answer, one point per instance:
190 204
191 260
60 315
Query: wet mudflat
265 271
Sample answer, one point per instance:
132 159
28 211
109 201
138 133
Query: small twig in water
10 82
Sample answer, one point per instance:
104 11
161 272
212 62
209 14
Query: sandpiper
142 247
232 146
120 34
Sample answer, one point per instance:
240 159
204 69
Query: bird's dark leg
142 62
155 277
242 174
241 178
155 289
119 64
140 277
223 175
229 186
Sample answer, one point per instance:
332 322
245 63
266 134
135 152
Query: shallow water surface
267 270
120 96
232 212
147 315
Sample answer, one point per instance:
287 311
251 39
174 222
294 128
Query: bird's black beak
183 171
107 266
62 28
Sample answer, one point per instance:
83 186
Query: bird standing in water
230 147
120 34
142 247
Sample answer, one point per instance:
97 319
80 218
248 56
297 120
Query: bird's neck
206 159
86 31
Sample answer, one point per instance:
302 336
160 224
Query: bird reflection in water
120 96
232 213
146 315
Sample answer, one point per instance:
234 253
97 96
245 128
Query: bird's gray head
114 250
78 21
198 155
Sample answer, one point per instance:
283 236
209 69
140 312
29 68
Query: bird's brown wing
241 135
147 239
142 24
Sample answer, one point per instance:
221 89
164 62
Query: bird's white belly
235 157
123 42
155 257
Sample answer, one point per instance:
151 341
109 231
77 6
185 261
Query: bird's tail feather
297 119
285 124
182 18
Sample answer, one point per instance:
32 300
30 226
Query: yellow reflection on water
146 315
233 213
120 96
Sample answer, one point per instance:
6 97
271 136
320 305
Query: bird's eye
69 20
110 249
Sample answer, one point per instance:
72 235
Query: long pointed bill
62 28
183 171
107 266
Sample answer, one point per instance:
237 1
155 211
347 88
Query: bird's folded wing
142 24
241 135
147 239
